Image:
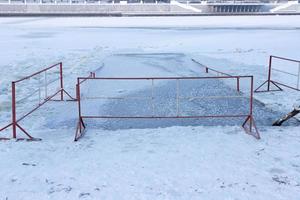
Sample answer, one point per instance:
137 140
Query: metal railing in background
217 73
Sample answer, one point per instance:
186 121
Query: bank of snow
171 163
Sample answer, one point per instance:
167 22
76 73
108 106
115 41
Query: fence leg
14 117
268 81
80 129
61 82
250 127
249 120
269 74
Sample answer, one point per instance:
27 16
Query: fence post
79 104
238 84
298 81
269 75
77 91
251 103
46 85
13 106
177 97
61 82
152 96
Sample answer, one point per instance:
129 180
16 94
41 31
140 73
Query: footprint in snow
84 195
29 164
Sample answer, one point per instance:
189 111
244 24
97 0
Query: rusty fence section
276 83
44 85
248 124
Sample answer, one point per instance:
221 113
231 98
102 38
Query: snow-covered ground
119 159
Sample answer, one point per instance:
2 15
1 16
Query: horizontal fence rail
217 72
278 82
248 125
210 69
46 90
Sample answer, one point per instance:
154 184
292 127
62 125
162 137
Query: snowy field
144 159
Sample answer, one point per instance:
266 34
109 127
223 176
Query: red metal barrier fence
217 73
248 124
209 69
288 75
36 90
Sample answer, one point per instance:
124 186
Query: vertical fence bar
76 91
152 96
251 103
46 87
238 84
177 97
269 74
298 81
40 94
61 82
79 104
13 106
